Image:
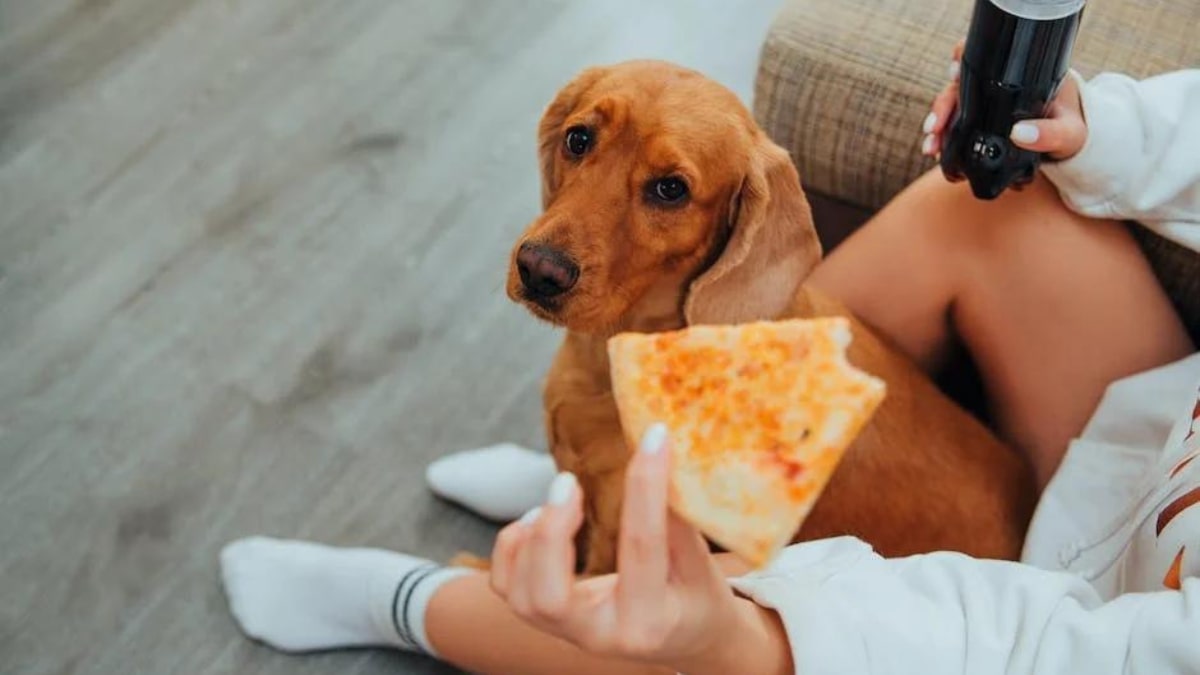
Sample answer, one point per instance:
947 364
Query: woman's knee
953 220
936 247
1029 232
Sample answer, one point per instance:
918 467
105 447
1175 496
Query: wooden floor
251 261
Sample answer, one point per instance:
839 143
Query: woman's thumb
1061 137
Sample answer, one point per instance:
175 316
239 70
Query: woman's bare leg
1052 306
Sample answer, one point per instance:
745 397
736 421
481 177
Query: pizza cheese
759 414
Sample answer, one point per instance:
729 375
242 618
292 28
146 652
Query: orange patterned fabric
1182 503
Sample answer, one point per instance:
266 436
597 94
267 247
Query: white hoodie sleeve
849 611
1141 160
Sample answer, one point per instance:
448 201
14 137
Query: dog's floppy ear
772 248
550 131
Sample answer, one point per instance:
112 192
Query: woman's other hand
1061 135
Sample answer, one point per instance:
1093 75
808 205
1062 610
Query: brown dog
665 205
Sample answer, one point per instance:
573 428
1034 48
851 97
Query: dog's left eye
669 190
578 141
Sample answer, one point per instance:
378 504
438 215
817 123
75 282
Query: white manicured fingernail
562 488
927 145
954 70
654 439
530 516
1024 132
930 120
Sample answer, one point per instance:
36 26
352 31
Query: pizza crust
760 415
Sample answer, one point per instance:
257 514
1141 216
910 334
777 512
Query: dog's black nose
544 271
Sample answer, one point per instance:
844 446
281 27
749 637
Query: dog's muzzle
546 273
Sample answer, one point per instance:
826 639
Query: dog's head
664 204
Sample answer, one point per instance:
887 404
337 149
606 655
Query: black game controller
1012 67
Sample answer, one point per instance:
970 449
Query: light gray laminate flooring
251 264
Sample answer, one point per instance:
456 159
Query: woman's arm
830 606
758 645
847 610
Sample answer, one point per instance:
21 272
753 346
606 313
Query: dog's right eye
578 141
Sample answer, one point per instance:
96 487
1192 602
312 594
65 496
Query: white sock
297 596
500 482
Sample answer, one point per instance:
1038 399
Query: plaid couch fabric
845 84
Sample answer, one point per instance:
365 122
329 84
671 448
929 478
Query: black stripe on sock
425 574
395 600
400 632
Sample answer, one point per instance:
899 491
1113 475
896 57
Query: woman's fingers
935 123
942 108
1064 131
1059 138
642 548
938 119
545 565
691 561
504 554
552 545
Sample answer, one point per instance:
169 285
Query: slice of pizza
759 414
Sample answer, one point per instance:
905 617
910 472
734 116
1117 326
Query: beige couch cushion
845 84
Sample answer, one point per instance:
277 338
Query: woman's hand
1061 135
668 604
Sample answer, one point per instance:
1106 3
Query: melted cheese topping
760 414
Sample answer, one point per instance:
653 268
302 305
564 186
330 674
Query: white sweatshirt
1110 580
